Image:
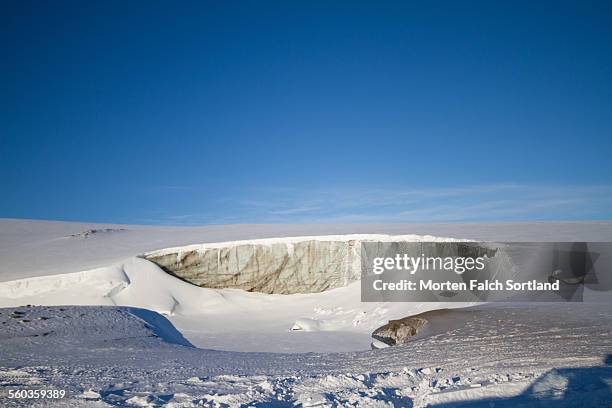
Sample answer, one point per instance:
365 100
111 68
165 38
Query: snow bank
136 282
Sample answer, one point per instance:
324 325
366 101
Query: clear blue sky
210 112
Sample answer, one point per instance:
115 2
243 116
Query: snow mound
305 324
135 282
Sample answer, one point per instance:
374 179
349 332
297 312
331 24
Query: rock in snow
398 331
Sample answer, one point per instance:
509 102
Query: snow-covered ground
121 355
224 319
511 355
33 248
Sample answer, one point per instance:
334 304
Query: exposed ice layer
280 265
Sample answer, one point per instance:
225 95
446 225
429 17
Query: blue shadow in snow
563 387
160 326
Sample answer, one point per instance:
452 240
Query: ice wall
282 265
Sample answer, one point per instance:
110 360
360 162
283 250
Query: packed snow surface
114 328
511 355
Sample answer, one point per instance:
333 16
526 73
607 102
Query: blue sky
253 112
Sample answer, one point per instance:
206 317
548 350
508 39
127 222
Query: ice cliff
278 265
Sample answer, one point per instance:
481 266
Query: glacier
275 266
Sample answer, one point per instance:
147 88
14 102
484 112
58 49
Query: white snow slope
53 263
225 319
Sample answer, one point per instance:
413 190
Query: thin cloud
491 202
296 210
500 201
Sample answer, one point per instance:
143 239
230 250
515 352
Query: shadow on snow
563 387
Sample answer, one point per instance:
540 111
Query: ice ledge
289 265
293 240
